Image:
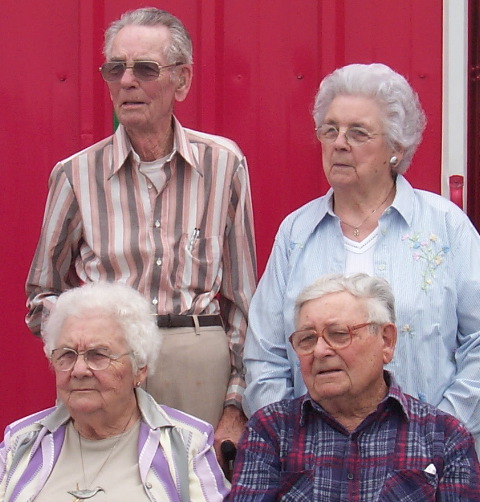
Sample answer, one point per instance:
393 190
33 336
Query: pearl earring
393 161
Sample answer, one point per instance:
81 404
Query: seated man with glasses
166 210
355 435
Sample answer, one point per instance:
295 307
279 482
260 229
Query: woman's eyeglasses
64 359
355 136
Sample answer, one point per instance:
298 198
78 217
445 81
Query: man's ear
184 81
389 337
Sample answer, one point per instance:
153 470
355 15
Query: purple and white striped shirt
180 239
32 445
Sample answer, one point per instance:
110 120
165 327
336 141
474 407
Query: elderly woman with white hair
369 122
107 439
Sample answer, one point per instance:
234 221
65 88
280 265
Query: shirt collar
57 418
394 395
403 204
321 207
152 413
122 148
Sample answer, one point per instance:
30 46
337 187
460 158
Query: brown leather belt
187 321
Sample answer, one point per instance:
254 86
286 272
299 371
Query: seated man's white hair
374 290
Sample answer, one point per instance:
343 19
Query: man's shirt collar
122 148
394 395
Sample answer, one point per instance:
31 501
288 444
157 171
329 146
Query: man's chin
328 386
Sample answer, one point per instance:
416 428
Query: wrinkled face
362 165
145 106
350 374
85 391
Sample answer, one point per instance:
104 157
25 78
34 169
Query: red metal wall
257 66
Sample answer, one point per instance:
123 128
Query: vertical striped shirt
182 236
175 455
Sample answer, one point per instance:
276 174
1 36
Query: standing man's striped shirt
179 230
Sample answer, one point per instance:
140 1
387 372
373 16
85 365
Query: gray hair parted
180 48
130 310
376 292
405 119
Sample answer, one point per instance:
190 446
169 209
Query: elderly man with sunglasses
164 209
355 435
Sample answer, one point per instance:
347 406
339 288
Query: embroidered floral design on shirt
294 245
428 250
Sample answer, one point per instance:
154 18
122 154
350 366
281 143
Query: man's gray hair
404 119
126 306
180 49
376 292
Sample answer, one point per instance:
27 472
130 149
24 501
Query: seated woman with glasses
107 439
369 122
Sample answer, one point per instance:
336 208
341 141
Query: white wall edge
454 94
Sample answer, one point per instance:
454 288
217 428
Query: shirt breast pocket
411 485
296 486
199 261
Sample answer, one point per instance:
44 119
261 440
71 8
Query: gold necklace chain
89 493
356 228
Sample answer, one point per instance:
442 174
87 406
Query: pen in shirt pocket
193 238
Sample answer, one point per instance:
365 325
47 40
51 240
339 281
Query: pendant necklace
89 493
356 228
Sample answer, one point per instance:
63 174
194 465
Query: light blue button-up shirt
429 252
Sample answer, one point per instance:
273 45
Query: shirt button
149 186
157 223
155 301
148 485
389 210
349 475
381 266
158 261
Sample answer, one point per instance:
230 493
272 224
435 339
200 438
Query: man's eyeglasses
355 136
64 359
304 341
143 70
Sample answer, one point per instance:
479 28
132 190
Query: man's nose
322 348
128 78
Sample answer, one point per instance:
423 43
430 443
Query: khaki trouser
192 371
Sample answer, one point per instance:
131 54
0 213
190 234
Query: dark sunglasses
143 70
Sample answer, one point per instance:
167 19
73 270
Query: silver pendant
85 494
